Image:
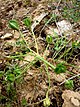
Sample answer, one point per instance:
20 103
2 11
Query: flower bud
46 102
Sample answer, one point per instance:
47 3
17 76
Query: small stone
6 36
59 77
64 26
71 99
16 35
75 102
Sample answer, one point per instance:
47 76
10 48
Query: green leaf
57 48
24 102
1 73
49 39
55 34
14 24
10 77
69 84
76 44
17 70
8 105
27 22
54 16
60 68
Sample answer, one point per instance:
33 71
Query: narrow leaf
13 24
27 22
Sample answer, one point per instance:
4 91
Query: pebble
75 102
6 36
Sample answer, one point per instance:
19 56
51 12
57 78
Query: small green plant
12 73
60 68
32 52
17 73
72 13
9 81
69 84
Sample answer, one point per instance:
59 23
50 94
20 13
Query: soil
33 85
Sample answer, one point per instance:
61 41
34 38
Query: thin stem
26 68
45 25
35 103
22 36
37 56
45 61
70 79
35 41
45 51
48 75
61 48
48 79
64 53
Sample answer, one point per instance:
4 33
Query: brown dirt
34 85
